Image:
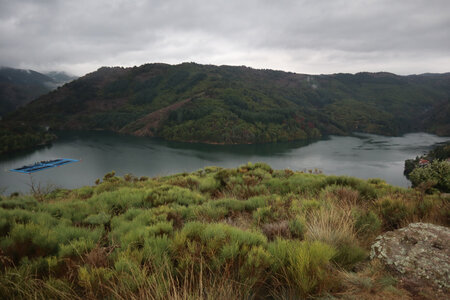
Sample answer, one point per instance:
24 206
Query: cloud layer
307 36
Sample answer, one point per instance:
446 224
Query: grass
244 233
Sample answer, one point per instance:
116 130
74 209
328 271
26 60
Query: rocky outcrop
419 253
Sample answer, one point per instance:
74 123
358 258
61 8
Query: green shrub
76 248
119 201
75 210
367 223
434 175
308 206
302 265
156 250
66 234
256 265
208 184
297 227
277 186
23 202
423 207
166 194
85 192
31 240
348 255
366 191
393 212
263 214
97 219
217 245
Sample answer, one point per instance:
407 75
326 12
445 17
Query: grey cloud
301 36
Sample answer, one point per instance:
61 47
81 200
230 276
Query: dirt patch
150 123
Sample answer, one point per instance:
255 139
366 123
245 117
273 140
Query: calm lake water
362 155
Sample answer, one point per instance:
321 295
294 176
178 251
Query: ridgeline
231 105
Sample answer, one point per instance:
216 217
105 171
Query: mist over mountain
19 86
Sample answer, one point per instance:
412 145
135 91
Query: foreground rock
420 253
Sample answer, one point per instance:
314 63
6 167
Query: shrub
262 214
366 191
348 255
277 186
75 210
24 202
85 192
166 194
256 265
156 250
436 174
217 244
276 229
76 248
297 227
367 223
341 195
119 201
208 184
334 226
31 240
301 266
393 212
308 206
97 219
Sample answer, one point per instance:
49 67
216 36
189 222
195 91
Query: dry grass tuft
277 229
332 225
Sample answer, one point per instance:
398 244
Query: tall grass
241 233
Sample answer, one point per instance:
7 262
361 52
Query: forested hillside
223 104
18 87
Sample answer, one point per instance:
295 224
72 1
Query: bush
97 219
297 227
29 240
393 212
367 223
208 184
166 194
434 175
85 192
263 214
303 266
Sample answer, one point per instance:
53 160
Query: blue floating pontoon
45 164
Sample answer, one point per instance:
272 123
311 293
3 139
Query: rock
420 253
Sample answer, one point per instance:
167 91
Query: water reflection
361 155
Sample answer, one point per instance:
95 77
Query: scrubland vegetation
435 174
244 233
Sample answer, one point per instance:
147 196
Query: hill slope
223 104
244 233
18 87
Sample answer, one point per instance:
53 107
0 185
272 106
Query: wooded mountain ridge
227 104
19 86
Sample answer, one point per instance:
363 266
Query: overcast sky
79 36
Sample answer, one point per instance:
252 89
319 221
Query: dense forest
244 233
224 104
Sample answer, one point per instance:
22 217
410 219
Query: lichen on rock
420 252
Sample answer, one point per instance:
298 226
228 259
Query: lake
361 155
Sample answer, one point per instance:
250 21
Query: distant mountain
224 104
60 78
18 87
